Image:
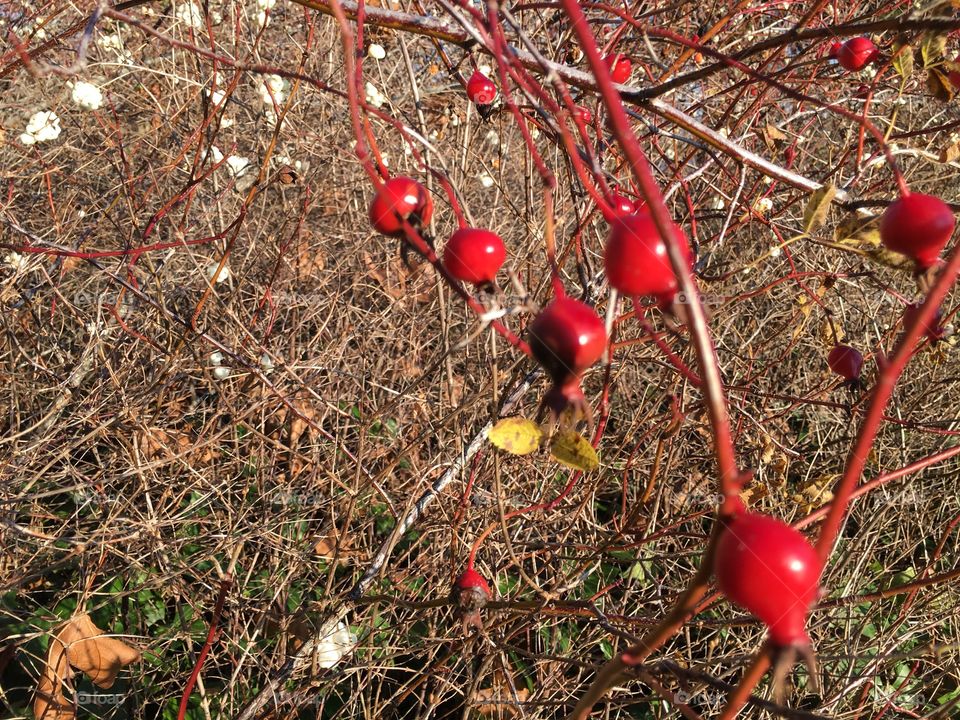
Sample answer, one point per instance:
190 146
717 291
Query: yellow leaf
818 207
573 450
903 60
862 237
516 435
932 49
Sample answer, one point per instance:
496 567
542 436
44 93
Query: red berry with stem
769 569
474 256
845 361
470 592
566 338
918 226
620 206
472 581
619 66
856 53
480 89
400 198
636 257
585 116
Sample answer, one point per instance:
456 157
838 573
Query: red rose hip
566 338
769 569
619 66
474 256
480 89
400 198
856 53
636 259
845 361
918 226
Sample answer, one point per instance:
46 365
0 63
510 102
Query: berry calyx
636 257
856 53
834 50
619 66
480 89
845 361
566 338
474 256
769 569
918 226
400 198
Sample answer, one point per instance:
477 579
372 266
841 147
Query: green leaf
516 435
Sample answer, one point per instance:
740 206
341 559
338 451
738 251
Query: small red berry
619 66
620 206
566 338
400 198
636 258
918 226
585 116
471 580
480 89
769 569
845 361
856 53
474 256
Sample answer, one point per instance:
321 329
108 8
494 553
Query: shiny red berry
471 580
474 256
619 66
636 258
400 198
918 226
585 116
566 338
480 89
856 53
620 206
769 569
845 361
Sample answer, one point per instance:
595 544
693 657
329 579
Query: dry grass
132 473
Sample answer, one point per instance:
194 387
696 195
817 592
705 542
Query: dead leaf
573 450
816 493
499 705
950 154
862 237
82 645
940 86
818 208
773 136
516 435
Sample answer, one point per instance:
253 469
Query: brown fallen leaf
499 705
82 645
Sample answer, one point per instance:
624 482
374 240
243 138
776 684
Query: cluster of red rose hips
761 563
